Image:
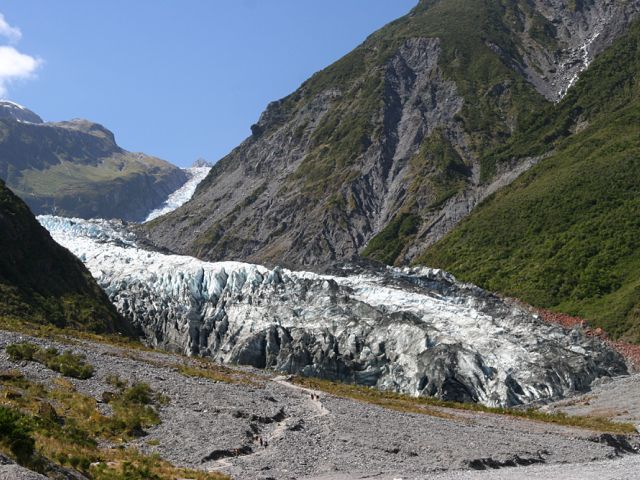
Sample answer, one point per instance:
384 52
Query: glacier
413 330
183 194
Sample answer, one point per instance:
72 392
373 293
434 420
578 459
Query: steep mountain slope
76 168
42 282
382 153
567 233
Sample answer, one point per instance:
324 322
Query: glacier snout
416 331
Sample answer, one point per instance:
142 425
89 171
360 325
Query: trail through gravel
270 429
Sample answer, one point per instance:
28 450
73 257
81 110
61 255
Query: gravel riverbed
271 429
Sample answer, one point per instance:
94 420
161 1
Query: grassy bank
444 409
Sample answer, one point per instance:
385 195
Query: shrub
70 365
139 393
67 363
116 381
16 434
134 410
21 351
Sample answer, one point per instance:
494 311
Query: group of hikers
261 441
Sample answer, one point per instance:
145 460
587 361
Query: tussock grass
67 363
421 405
44 426
217 373
67 335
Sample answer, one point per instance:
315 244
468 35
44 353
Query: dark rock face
40 281
388 142
76 169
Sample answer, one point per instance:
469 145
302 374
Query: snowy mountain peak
14 111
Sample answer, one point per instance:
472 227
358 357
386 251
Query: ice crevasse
412 330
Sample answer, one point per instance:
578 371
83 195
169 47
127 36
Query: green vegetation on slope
437 172
387 245
496 97
608 85
66 363
44 428
42 282
566 235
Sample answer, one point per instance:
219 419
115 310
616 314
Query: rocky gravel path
617 398
270 429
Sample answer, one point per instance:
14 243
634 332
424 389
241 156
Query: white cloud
13 34
15 66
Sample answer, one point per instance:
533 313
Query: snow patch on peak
12 104
15 111
183 194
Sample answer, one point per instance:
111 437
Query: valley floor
256 425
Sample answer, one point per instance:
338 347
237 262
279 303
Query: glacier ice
183 194
413 330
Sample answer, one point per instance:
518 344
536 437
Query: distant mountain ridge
75 168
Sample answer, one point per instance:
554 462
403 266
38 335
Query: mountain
42 282
385 151
13 111
75 168
566 235
416 331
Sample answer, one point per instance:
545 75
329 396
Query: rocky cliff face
76 168
42 282
382 153
415 331
580 29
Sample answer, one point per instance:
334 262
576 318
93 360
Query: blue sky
179 79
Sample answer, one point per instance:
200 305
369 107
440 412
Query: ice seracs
417 331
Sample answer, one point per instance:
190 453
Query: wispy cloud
13 34
14 65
